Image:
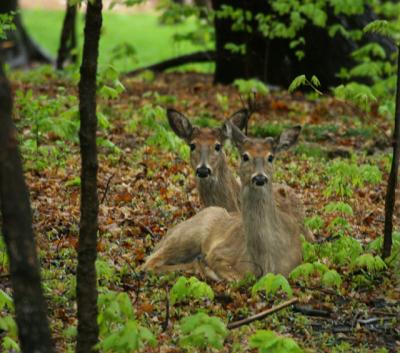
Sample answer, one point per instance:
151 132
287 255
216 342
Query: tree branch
197 57
261 315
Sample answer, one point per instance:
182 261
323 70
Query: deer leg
221 268
188 267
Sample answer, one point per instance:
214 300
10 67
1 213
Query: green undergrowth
146 186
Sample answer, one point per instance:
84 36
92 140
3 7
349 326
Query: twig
311 311
146 228
261 315
164 325
107 187
137 291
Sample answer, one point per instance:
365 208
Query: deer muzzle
203 171
259 180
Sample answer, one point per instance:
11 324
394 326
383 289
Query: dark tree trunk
68 38
228 65
30 306
392 183
273 61
19 49
88 330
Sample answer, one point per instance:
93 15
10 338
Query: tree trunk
392 182
30 306
228 65
88 330
19 49
68 37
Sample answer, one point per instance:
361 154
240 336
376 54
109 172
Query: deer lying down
215 181
221 245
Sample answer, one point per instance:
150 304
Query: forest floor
146 186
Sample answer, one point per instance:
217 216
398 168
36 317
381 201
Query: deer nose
203 172
259 180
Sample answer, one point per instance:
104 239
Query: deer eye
270 158
218 147
192 146
245 157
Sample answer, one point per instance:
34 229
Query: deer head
256 167
206 144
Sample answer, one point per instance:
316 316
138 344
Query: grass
152 42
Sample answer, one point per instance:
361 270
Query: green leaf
251 86
271 284
201 330
314 223
315 81
9 345
302 271
370 262
331 279
6 301
73 182
382 27
190 288
270 342
297 82
339 206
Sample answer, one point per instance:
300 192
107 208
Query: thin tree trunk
88 330
68 37
391 187
30 306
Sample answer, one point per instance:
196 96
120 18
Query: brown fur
222 188
221 245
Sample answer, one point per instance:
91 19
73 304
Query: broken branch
261 315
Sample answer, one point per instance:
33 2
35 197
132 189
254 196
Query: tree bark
19 49
30 306
228 65
392 182
88 330
68 37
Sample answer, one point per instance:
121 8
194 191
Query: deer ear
287 139
180 124
240 118
233 133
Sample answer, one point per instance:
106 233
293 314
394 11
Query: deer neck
221 188
262 227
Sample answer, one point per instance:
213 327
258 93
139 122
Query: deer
261 238
216 183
